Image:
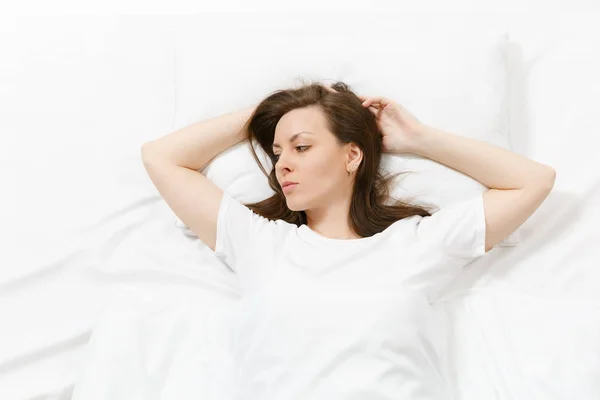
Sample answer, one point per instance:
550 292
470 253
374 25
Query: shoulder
242 210
400 234
405 226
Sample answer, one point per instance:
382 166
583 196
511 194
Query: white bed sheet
132 308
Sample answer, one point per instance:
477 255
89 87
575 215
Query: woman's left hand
400 129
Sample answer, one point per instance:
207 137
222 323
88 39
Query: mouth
289 187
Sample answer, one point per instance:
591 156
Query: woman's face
313 159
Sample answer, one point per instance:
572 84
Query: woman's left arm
518 185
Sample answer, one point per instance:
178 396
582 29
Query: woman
337 283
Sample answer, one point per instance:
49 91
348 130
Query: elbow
550 178
545 180
148 151
145 152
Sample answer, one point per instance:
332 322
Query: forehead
309 119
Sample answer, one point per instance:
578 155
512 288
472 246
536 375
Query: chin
295 205
292 206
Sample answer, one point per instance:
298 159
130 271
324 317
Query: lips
288 187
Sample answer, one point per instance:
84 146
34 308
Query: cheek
324 174
318 168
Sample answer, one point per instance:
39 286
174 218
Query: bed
104 296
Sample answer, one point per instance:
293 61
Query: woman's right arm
173 161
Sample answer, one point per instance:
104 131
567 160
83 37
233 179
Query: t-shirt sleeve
239 228
448 240
458 229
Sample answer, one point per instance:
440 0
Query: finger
374 108
330 89
383 101
370 102
374 111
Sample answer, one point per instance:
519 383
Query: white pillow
449 70
561 94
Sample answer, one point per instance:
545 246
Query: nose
281 164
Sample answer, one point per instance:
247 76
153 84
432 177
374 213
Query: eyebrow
294 136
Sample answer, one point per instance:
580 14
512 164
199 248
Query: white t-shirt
326 318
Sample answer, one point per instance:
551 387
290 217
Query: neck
332 221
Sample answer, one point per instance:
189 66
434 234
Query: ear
353 157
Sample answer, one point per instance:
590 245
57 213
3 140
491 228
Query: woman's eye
300 149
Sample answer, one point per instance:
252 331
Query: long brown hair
350 122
